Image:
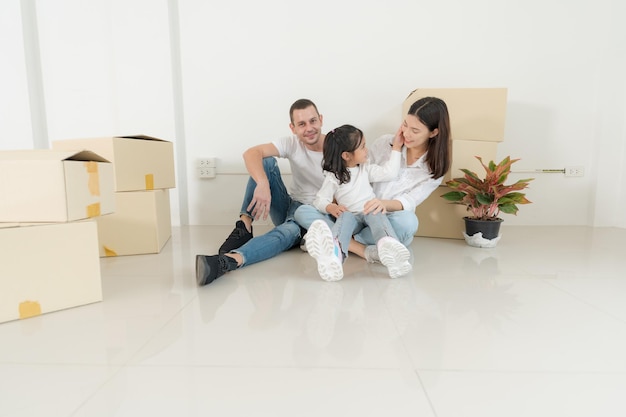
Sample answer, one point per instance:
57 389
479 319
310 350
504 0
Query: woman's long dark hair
346 138
433 112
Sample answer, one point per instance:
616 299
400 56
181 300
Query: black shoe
237 238
209 268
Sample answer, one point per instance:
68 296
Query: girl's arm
326 193
387 171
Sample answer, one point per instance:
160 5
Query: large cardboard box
464 154
54 186
140 162
141 224
48 267
475 113
439 218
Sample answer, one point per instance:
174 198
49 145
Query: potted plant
485 199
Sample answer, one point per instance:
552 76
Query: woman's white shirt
414 182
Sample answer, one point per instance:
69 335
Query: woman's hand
374 206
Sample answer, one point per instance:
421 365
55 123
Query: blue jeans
350 223
404 223
286 233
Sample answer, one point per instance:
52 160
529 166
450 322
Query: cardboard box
439 218
48 267
54 186
140 162
475 113
464 153
141 224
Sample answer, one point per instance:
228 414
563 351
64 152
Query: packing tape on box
94 179
93 210
108 251
29 309
149 181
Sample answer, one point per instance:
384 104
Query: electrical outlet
575 171
206 163
206 172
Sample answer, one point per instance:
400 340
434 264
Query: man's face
307 125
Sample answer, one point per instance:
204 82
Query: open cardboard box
54 185
140 162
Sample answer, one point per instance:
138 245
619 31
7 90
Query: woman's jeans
286 233
404 224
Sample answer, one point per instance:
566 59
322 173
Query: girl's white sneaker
395 256
325 249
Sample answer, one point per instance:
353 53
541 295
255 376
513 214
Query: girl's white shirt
306 168
413 184
355 193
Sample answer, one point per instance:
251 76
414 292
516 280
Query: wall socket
206 163
206 168
575 171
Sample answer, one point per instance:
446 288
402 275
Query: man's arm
253 158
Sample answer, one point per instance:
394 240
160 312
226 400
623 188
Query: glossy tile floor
533 327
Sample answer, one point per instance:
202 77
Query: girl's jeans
349 223
286 233
404 224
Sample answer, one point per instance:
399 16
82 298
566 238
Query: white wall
15 122
218 77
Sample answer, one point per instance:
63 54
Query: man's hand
374 206
261 200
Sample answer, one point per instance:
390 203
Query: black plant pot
489 228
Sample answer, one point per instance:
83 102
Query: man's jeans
286 234
404 223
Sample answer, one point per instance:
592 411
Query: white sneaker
324 248
394 255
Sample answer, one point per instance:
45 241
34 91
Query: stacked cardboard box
48 235
477 119
144 171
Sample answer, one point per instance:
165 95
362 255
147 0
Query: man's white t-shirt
306 168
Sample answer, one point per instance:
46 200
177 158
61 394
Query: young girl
346 189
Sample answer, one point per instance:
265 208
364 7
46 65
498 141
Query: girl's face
416 133
356 157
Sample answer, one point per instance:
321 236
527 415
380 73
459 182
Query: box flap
141 137
50 155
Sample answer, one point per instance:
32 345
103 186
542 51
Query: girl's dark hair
433 112
346 138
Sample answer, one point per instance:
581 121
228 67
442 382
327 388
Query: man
266 194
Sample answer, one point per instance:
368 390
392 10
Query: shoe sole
202 270
395 256
321 246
